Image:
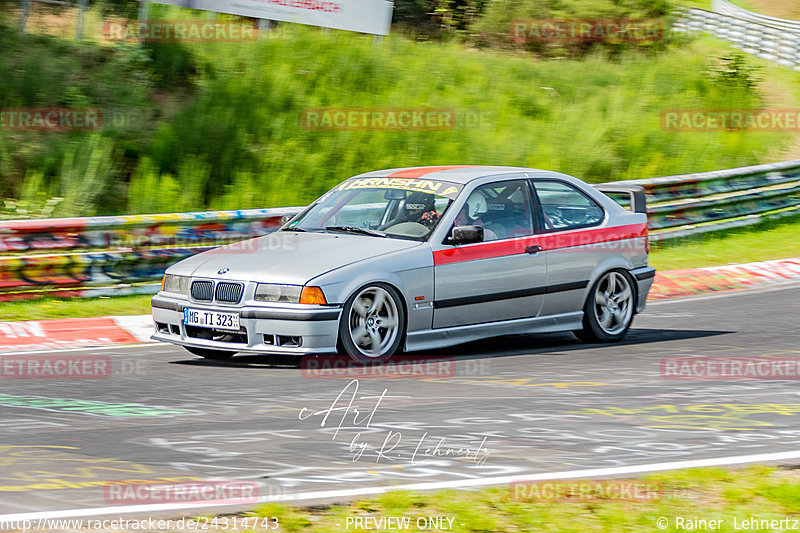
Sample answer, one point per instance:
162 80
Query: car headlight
273 292
176 284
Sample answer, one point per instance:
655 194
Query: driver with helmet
473 210
420 208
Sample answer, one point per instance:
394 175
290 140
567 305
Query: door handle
535 249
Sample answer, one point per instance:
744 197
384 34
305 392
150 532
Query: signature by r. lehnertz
358 412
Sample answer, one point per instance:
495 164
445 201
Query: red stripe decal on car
422 171
549 241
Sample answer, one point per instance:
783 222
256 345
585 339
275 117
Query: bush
496 27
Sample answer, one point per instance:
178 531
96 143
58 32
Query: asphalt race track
492 409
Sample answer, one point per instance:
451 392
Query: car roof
454 173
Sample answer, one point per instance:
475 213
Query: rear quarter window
565 207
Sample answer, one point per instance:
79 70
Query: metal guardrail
128 254
766 37
710 201
727 8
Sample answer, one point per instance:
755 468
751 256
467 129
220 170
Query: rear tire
210 354
609 308
373 323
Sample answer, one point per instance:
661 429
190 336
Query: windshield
380 207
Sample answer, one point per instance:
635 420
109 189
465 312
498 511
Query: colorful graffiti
81 253
135 232
86 269
77 257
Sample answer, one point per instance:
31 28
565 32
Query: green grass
240 143
712 494
746 5
47 308
706 4
777 239
702 4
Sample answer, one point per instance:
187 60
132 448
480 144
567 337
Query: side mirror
286 218
467 234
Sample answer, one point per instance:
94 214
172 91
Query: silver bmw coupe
415 259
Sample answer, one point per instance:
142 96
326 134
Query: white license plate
211 319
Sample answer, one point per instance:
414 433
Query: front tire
210 354
373 323
609 309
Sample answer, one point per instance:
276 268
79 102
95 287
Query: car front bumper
286 329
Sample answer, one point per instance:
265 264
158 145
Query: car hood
287 257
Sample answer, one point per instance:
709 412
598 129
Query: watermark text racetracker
391 119
228 492
730 119
213 240
67 366
586 30
179 31
730 368
587 490
403 366
51 119
63 119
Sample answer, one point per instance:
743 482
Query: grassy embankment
787 9
217 125
756 492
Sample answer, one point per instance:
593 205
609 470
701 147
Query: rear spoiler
630 197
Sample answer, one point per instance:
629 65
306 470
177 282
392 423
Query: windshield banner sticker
439 188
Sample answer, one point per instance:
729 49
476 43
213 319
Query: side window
565 207
503 209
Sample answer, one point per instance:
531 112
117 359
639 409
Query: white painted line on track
434 485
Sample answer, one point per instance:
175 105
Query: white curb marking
140 326
435 485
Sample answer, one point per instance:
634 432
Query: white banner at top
364 16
